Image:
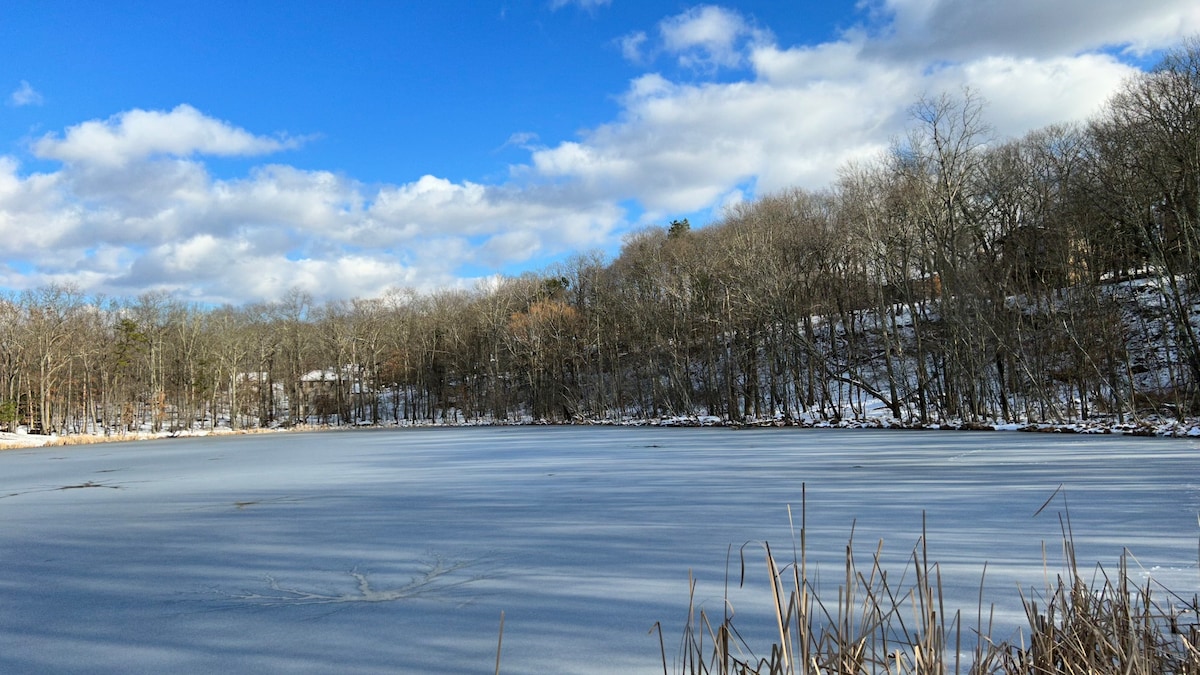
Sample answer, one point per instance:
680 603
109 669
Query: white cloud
216 271
138 134
521 139
1027 93
508 247
808 109
34 211
962 29
158 221
705 38
682 147
632 45
24 95
434 205
708 37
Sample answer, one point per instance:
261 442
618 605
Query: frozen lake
306 552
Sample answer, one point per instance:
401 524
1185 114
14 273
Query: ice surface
396 551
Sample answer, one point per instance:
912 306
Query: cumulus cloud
682 147
138 134
704 38
159 220
956 29
708 37
34 209
808 109
24 95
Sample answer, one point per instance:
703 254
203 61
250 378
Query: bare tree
1146 163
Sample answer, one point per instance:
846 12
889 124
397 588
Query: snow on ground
15 440
385 551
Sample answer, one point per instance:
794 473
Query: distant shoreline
1189 428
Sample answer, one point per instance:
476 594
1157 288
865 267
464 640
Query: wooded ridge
957 276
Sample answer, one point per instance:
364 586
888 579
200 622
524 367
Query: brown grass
1110 625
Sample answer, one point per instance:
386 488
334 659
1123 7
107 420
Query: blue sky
230 151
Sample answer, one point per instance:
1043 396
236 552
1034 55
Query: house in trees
338 394
1033 256
257 395
918 287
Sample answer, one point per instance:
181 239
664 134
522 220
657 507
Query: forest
956 276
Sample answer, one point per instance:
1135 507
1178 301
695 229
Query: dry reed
1109 625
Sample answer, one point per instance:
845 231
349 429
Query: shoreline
1189 428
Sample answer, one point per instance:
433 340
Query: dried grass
1109 625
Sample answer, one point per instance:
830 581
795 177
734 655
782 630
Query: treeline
1048 277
